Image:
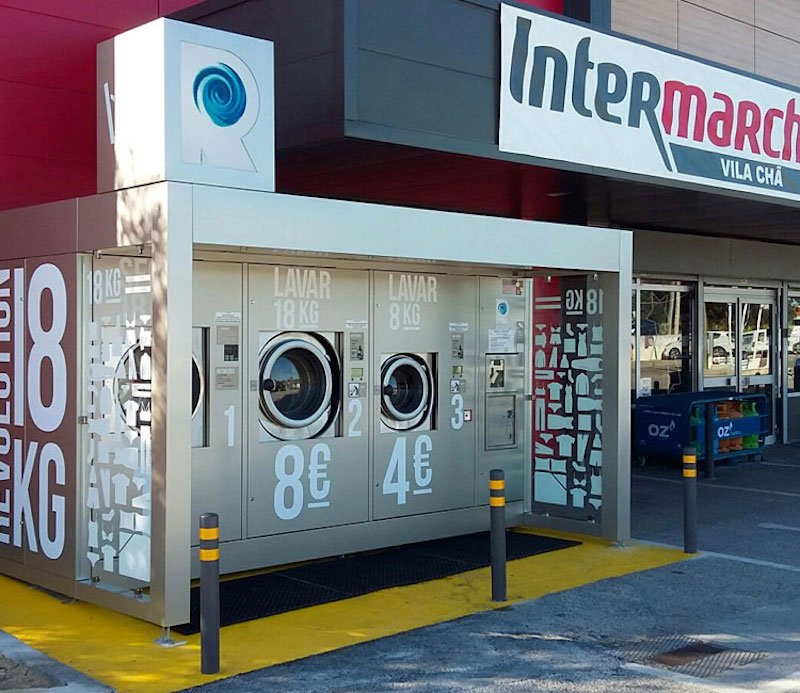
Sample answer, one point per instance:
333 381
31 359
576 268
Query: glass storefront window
756 338
793 367
793 345
720 339
664 349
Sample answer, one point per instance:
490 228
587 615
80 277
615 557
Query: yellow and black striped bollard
689 500
497 513
209 593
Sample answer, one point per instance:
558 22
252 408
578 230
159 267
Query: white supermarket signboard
570 94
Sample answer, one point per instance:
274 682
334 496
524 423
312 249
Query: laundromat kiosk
326 376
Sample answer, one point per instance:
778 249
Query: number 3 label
457 419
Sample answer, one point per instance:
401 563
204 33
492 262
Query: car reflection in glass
296 386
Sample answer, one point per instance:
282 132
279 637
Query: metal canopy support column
616 518
784 326
172 332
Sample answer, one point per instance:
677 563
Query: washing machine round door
132 386
296 387
405 391
132 383
198 387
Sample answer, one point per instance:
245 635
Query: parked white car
720 343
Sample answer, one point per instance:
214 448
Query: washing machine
199 378
132 386
216 403
308 445
408 392
425 339
299 385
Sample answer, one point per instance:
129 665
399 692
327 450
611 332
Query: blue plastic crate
663 425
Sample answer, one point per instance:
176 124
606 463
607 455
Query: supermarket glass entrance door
738 347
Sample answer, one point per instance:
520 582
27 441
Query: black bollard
209 593
497 512
689 500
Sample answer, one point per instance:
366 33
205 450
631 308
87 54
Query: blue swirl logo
219 93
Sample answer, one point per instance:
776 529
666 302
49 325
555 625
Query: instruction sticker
227 334
457 345
227 316
501 341
226 378
356 346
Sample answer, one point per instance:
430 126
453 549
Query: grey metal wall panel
303 27
670 253
424 69
308 95
448 33
428 99
599 12
428 68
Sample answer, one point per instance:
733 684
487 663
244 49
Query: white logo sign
219 107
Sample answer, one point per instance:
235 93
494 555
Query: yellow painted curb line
121 652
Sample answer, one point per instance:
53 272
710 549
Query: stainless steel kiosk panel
307 398
501 380
424 395
217 395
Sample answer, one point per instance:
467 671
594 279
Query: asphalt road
740 596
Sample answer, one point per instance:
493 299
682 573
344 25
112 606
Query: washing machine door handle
269 384
388 390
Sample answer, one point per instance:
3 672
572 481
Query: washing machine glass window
296 393
132 386
405 391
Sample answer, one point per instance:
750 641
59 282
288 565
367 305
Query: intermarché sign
574 95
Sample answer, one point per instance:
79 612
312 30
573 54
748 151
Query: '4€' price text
396 480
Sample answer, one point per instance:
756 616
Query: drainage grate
688 656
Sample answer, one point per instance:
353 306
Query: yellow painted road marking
120 651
